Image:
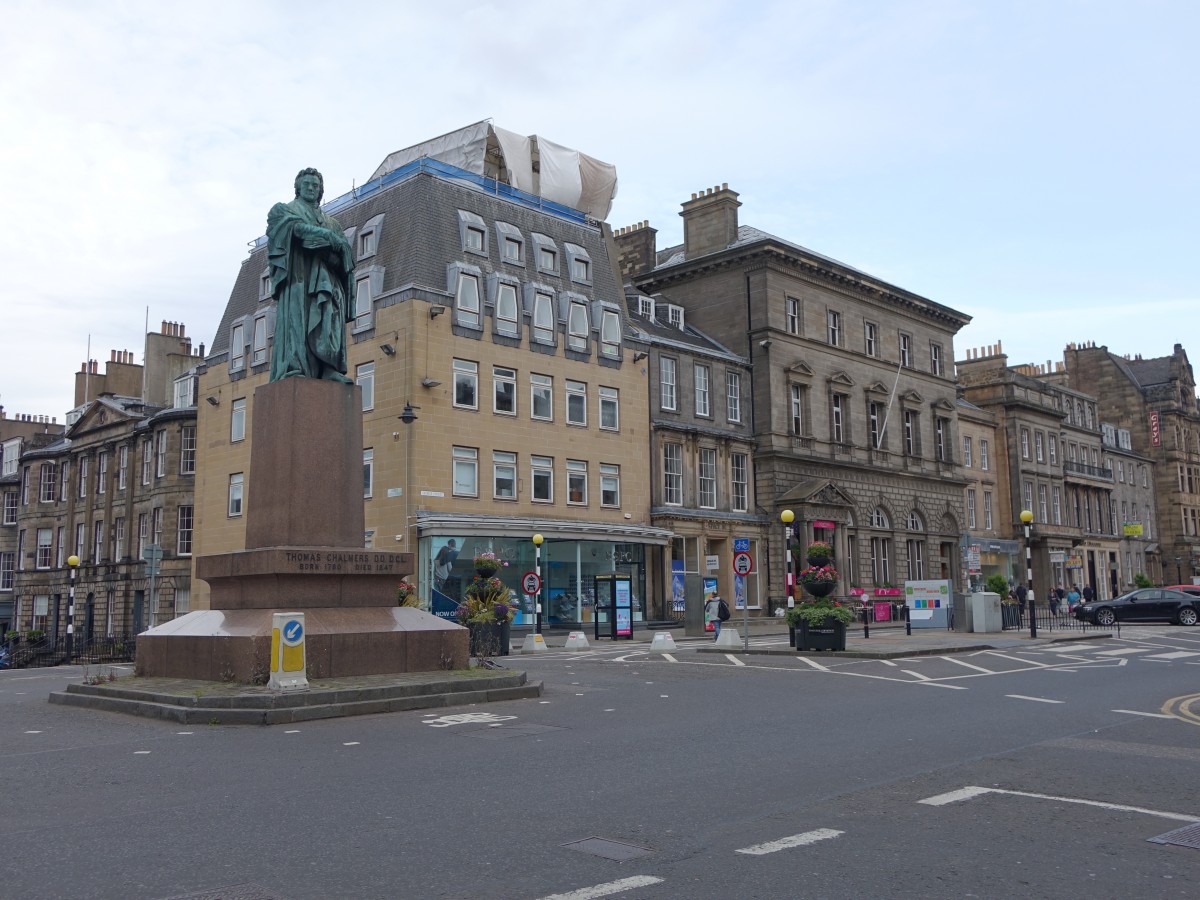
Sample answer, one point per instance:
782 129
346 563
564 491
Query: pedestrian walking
1088 594
1020 593
1072 598
1055 598
712 615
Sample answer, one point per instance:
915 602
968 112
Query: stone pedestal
304 551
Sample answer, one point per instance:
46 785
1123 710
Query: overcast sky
1032 164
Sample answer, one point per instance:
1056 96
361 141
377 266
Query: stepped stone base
235 644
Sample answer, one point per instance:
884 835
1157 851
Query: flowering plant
406 594
816 613
819 548
488 559
485 600
819 575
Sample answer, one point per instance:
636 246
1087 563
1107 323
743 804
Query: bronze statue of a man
311 268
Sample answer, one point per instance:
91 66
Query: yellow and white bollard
534 643
288 657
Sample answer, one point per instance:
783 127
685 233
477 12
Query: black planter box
489 638
830 635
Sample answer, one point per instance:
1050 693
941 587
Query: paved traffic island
194 702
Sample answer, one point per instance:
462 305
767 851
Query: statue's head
305 173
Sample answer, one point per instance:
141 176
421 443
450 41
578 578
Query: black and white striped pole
787 517
1026 519
72 564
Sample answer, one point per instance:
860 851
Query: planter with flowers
819 553
820 581
485 609
406 595
820 624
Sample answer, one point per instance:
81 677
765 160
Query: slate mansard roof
420 235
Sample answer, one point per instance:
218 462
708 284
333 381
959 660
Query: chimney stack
710 221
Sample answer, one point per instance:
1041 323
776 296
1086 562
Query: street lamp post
537 598
1179 570
72 565
787 517
1026 519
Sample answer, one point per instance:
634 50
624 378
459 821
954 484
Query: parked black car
1143 605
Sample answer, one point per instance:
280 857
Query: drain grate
1187 836
616 850
233 892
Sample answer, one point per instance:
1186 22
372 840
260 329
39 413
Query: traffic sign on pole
531 583
742 563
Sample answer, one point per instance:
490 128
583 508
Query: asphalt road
1038 773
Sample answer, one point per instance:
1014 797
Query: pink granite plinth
303 577
305 487
235 645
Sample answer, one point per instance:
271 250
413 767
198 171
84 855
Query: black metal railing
1014 618
52 651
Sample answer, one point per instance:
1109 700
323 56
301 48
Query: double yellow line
1186 708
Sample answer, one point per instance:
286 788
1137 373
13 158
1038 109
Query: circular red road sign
531 583
743 562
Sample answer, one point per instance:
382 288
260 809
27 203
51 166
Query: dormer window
512 243
580 264
367 242
646 307
577 327
610 334
237 347
473 233
264 286
547 254
675 316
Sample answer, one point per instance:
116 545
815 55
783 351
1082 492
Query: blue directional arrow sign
293 631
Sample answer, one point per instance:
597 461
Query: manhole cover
617 850
1187 836
233 892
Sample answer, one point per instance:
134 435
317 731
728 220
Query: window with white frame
258 346
941 438
144 532
1024 443
466 384
84 464
506 320
833 324
236 485
512 243
576 403
610 409
905 350
971 508
472 232
367 244
466 300
577 482
466 471
1027 496
41 611
579 263
45 548
881 563
610 485
185 391
837 419
48 486
1043 504
739 482
935 359
672 474
1053 450
701 378
916 559
80 538
368 473
504 475
160 453
237 420
610 334
875 413
156 525
733 396
577 327
707 477
7 570
666 370
101 472
541 479
912 433
967 451
237 347
187 450
879 518
364 377
983 454
797 409
543 318
183 533
871 338
1056 509
118 539
504 391
987 510
122 467
547 253
541 397
792 315
1039 446
10 507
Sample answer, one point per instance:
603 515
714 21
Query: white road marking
669 658
888 662
1134 712
813 663
1178 654
467 719
968 665
969 792
629 655
916 675
1034 699
607 889
184 732
293 731
33 732
796 840
951 687
1124 650
1027 662
141 752
349 743
733 659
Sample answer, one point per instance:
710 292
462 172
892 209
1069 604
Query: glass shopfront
569 569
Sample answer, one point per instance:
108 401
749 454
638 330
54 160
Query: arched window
914 521
879 518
